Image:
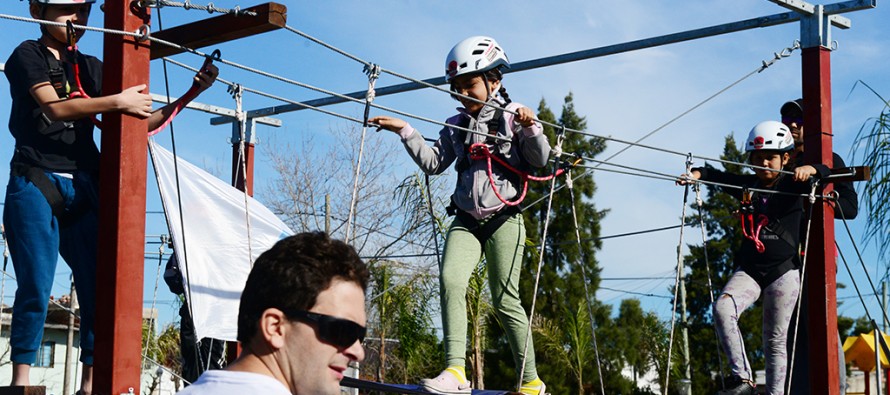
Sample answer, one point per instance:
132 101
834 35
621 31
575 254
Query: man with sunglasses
846 207
300 322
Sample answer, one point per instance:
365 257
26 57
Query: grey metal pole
685 389
69 343
327 214
878 369
747 24
884 302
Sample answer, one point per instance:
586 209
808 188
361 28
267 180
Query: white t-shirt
224 382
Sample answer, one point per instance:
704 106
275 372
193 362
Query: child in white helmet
51 201
768 260
484 223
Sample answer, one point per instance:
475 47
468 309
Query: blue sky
625 96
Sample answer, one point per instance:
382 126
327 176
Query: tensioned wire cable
786 52
145 35
142 35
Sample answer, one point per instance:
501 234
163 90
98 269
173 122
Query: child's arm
204 79
533 144
432 160
131 101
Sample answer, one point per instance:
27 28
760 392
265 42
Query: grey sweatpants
779 299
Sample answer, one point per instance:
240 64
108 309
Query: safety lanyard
746 211
72 58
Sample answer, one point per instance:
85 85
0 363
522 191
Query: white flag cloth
213 256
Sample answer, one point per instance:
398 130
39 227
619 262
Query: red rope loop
480 151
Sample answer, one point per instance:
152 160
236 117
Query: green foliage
872 145
562 283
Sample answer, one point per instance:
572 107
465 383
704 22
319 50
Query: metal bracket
816 20
249 135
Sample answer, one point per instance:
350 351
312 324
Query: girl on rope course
484 222
52 197
768 260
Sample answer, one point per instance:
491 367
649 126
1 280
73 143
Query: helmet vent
478 52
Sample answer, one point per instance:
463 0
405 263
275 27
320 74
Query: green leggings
503 252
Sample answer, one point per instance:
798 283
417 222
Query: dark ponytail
496 75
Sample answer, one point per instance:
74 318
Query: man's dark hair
291 274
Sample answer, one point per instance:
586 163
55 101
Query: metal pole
69 343
327 214
685 389
878 369
748 24
884 302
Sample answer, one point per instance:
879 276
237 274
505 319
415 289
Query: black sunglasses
338 332
788 120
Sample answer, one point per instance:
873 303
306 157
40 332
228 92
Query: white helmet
769 135
474 55
63 2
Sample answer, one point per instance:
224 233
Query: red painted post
238 174
118 355
821 262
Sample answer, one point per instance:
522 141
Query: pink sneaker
446 383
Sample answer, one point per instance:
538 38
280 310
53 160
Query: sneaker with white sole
447 383
534 387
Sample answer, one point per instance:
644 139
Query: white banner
215 256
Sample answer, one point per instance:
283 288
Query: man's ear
36 10
273 326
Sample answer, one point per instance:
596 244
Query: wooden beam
121 252
220 29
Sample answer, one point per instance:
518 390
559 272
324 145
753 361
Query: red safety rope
480 151
750 232
189 95
72 58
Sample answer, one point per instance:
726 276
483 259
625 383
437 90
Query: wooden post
120 266
821 262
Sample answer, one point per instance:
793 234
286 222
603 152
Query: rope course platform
405 388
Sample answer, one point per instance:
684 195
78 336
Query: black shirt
62 150
781 236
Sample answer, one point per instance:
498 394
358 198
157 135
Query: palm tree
873 143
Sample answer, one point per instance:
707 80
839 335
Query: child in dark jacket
768 260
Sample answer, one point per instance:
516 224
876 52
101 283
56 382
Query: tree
873 143
402 343
723 238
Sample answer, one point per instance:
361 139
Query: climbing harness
750 231
480 151
190 94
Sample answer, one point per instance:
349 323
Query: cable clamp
143 32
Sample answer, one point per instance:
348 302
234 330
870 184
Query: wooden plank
220 29
850 174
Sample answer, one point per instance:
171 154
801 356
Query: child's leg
32 234
739 293
461 255
779 301
78 246
503 254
